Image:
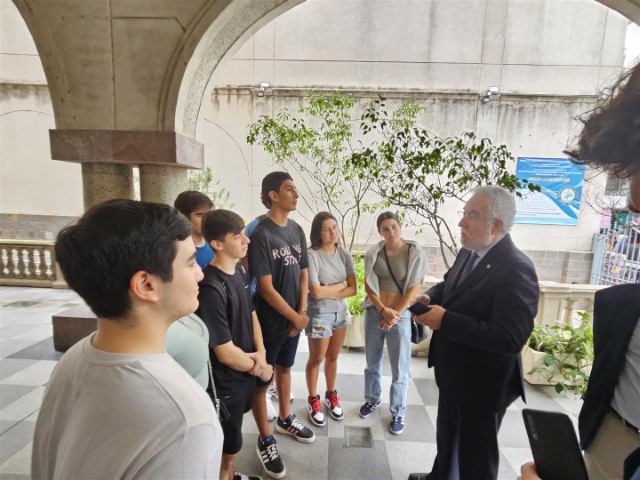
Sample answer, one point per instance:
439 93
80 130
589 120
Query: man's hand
301 322
261 368
528 472
422 297
433 318
292 331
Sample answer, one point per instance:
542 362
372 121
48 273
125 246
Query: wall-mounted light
262 88
490 93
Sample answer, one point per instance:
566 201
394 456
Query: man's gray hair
502 204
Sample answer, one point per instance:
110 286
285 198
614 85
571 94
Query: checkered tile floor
27 359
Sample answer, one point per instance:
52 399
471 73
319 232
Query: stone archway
628 8
116 71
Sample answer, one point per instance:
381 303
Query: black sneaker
242 476
270 458
367 408
292 426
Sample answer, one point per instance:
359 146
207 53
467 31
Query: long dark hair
316 229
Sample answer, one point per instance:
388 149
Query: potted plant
355 332
560 355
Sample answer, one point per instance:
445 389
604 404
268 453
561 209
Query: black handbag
418 331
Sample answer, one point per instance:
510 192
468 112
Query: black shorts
280 353
238 401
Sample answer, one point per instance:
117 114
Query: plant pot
355 332
532 359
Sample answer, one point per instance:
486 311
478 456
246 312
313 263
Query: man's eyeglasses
473 216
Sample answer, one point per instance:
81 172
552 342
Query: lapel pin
488 266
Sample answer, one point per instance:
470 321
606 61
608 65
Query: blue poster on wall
558 202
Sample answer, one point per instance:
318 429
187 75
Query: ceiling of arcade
121 65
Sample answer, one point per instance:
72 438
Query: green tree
321 151
417 171
202 181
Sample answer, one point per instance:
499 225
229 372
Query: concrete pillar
105 181
161 184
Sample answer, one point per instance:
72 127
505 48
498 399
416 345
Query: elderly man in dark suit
481 315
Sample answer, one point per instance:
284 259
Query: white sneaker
272 391
271 410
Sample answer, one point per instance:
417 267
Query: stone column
161 184
105 181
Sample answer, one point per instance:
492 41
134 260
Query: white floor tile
37 374
24 406
39 332
19 464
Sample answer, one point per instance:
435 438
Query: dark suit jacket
489 317
615 314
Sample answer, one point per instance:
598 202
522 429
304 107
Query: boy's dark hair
272 183
316 229
216 224
110 243
190 200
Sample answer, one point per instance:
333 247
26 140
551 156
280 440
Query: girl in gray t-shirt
332 278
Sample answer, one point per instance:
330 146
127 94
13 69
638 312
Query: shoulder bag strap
386 259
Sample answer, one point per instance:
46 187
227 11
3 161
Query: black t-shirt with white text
282 253
226 309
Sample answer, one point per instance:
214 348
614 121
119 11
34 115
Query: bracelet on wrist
303 310
384 307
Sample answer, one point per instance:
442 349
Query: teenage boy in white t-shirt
117 405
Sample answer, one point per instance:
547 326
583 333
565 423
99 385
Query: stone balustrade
29 263
559 301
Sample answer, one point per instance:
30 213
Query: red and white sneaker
314 407
332 403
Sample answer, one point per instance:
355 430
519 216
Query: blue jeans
399 348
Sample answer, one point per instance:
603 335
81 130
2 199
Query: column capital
130 147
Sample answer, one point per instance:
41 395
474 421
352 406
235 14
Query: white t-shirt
108 415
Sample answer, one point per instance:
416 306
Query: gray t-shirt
399 264
328 270
107 415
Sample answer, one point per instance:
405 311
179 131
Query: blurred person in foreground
609 422
610 416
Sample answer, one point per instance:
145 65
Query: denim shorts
322 325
